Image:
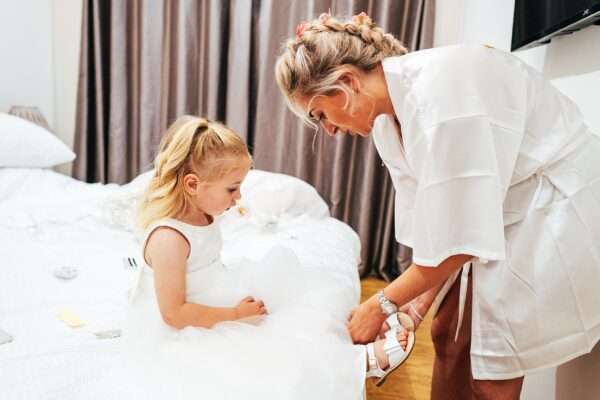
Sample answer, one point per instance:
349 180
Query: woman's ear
350 79
191 183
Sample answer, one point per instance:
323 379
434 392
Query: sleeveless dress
299 350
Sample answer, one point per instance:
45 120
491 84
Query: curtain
144 63
119 91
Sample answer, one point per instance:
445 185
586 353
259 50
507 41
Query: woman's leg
509 389
452 364
452 378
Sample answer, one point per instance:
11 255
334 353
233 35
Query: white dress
298 351
494 162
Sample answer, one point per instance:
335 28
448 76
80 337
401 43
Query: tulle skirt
300 350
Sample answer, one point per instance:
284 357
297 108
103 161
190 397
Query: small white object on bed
48 221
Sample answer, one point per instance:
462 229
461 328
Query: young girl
196 328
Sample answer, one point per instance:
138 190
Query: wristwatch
387 307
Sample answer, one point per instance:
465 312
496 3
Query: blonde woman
196 331
497 183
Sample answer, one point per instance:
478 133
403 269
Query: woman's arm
366 320
416 280
167 252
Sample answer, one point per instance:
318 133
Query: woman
497 183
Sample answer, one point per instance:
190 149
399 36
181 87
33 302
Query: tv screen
537 21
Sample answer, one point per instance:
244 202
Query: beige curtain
144 63
119 93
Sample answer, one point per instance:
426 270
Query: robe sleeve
460 191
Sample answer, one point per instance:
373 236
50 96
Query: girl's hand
249 307
365 321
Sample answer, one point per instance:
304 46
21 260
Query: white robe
496 163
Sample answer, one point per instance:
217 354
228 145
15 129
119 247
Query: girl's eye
230 190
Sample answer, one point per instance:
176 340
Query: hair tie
300 29
414 310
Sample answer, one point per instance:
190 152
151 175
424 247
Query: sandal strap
393 349
374 370
405 322
414 310
393 323
371 359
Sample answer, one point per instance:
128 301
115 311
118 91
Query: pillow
25 144
271 197
268 199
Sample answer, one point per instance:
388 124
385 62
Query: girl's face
216 197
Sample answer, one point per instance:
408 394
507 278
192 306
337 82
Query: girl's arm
167 252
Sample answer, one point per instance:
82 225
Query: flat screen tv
536 22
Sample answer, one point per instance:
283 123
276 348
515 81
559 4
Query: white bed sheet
48 220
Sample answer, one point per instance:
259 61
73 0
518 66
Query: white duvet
48 221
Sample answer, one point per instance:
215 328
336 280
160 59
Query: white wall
40 58
66 35
449 22
26 75
572 63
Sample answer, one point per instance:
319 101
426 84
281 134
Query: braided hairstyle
191 145
309 63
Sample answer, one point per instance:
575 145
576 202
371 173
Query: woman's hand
249 307
416 310
365 321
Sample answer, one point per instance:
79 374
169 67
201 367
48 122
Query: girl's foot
380 354
412 311
385 355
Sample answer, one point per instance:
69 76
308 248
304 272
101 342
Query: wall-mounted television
536 22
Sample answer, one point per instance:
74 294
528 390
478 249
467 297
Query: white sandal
392 348
400 320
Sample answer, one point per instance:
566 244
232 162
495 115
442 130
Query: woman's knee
509 389
439 331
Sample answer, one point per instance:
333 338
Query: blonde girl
198 172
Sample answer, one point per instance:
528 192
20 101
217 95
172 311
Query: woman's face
330 112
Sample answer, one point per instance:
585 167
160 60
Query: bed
52 226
